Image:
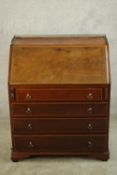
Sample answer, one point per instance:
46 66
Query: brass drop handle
90 110
90 144
12 96
29 126
90 127
28 110
30 145
28 96
90 96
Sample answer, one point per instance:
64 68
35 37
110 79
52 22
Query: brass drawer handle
29 126
12 96
90 144
28 96
90 127
90 96
30 145
90 110
28 110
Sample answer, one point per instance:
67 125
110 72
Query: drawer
59 109
60 143
54 126
59 94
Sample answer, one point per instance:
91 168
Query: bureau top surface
80 40
59 60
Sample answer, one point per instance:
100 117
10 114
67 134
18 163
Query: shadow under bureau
59 96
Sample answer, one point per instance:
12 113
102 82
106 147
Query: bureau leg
17 156
101 156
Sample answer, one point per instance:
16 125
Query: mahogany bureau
59 96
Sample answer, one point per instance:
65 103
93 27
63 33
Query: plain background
47 17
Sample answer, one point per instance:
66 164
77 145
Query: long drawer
59 94
60 143
54 126
59 109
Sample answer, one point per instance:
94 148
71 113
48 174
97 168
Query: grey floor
56 166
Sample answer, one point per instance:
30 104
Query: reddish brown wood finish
56 109
60 143
59 96
57 126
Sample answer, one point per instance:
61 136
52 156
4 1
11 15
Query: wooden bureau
59 96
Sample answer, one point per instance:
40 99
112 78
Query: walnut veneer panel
61 64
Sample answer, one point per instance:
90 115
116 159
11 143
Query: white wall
56 17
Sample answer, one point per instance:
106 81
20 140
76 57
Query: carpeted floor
56 166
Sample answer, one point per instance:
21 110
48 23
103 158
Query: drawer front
60 143
59 109
54 126
54 94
